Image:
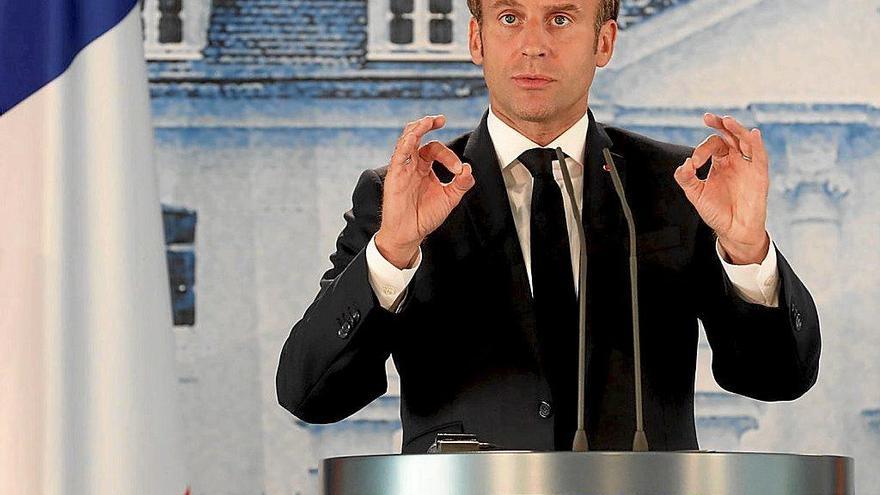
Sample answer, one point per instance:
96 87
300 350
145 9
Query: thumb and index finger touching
408 142
434 151
731 138
686 173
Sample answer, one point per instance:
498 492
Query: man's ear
475 41
605 45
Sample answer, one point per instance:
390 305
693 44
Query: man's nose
535 39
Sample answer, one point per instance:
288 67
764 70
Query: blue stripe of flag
40 38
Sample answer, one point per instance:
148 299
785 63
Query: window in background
175 29
429 30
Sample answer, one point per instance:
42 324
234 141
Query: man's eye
508 19
561 20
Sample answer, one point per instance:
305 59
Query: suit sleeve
333 362
765 353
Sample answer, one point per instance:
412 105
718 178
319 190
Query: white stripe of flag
88 389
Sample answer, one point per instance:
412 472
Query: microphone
580 443
640 441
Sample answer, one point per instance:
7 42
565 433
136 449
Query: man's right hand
414 201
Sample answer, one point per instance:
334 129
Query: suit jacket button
544 410
344 330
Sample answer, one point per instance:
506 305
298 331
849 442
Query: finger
437 151
418 122
715 122
407 128
427 124
745 138
711 146
462 182
735 127
758 146
686 176
403 155
432 121
418 129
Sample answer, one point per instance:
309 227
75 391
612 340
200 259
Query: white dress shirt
756 283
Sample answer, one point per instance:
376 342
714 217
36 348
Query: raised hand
414 201
733 198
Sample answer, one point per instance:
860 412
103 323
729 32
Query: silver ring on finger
746 157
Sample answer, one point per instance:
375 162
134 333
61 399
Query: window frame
194 16
380 48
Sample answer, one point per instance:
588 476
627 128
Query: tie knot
539 161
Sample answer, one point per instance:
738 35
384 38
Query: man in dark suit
459 260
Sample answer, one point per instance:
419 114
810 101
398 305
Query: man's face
538 56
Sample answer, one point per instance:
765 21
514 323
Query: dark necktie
553 290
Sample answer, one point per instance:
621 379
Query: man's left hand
733 198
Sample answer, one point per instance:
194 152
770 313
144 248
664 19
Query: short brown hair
608 11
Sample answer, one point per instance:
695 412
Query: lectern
588 473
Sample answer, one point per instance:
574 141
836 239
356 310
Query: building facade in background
266 111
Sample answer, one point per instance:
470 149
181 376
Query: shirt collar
510 144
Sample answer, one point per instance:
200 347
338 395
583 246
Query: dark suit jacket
465 341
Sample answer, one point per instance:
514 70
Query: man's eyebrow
505 3
570 7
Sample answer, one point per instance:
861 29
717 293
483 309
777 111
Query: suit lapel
487 204
488 207
603 223
605 228
604 214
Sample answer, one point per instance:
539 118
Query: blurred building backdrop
267 110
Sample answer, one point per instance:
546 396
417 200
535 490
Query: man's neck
541 133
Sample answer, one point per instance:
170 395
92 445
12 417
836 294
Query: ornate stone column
813 187
810 189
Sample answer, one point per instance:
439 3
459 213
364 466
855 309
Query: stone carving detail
832 183
813 182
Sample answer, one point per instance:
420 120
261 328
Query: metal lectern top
590 473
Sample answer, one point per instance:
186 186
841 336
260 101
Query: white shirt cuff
755 283
389 282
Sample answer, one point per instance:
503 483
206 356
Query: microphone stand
580 443
640 441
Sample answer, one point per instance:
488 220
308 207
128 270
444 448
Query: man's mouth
532 81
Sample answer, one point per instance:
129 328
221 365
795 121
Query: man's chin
536 113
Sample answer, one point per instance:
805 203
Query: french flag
88 389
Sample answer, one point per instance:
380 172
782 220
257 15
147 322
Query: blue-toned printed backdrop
266 111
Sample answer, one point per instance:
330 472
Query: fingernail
458 168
